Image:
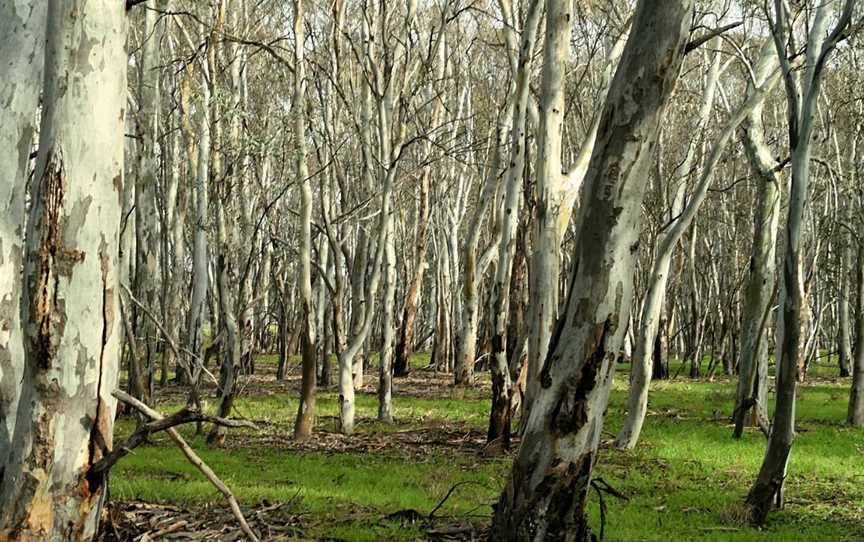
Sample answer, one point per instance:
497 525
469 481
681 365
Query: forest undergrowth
430 476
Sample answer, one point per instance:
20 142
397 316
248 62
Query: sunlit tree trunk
752 390
637 402
306 410
801 100
22 25
70 306
548 486
499 415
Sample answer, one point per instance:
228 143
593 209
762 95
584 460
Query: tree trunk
385 361
306 410
70 306
855 415
792 311
405 346
844 332
499 415
146 217
637 402
752 391
22 25
547 490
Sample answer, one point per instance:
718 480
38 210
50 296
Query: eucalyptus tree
499 416
22 26
557 190
642 366
548 486
146 218
70 314
802 96
306 409
752 389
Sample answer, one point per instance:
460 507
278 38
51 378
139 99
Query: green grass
686 480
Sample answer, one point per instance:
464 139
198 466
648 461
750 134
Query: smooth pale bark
655 294
391 138
855 414
385 365
306 410
200 275
556 193
70 305
801 101
637 402
548 486
146 217
499 415
225 266
474 269
177 206
545 258
752 389
22 25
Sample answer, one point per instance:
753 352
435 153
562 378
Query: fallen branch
194 459
140 436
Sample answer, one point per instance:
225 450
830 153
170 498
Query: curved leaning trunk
306 409
802 99
547 489
637 401
752 390
22 25
70 305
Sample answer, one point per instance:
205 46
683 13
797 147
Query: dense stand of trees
542 190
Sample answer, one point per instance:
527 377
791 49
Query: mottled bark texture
548 486
70 308
499 415
22 25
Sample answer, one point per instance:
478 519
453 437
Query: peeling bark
70 307
547 488
22 25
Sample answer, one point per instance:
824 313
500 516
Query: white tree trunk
791 321
548 487
22 25
642 365
759 293
306 410
146 217
499 415
70 306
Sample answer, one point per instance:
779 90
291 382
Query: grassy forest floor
685 481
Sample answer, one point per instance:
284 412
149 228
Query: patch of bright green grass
686 480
